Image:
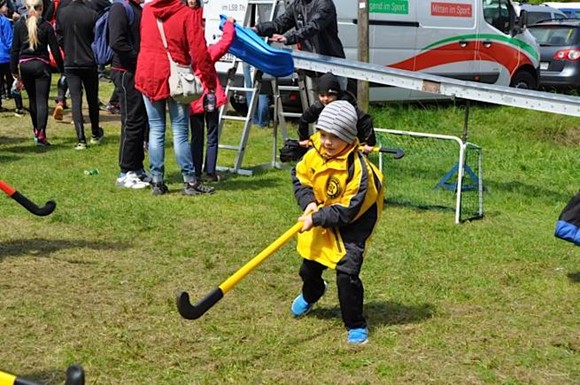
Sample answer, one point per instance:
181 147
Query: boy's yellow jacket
349 192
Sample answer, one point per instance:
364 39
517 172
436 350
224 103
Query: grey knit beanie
339 118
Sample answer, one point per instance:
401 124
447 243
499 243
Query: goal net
428 175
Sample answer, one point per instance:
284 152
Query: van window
498 14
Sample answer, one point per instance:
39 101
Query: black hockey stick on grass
191 312
75 375
397 152
47 209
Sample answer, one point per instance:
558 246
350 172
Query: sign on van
399 7
451 9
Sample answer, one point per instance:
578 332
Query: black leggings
77 79
36 76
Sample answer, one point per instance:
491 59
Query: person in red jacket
199 113
186 43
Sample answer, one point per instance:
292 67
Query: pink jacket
216 51
186 43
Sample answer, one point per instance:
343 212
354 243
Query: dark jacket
315 27
124 38
75 25
364 125
20 48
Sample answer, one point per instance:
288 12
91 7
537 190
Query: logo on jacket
333 189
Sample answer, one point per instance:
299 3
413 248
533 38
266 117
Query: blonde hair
34 8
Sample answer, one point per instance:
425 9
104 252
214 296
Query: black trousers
36 76
133 121
350 292
77 79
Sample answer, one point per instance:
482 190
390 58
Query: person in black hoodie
75 30
329 90
30 62
124 39
313 26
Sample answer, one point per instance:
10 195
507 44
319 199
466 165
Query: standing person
312 24
30 62
6 35
199 113
124 39
329 90
341 195
183 30
75 28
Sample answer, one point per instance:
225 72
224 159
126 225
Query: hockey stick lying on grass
397 152
75 375
189 311
47 209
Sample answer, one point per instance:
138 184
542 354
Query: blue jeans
179 115
262 114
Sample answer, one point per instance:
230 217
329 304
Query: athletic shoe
300 307
98 138
19 113
159 188
358 336
212 178
80 146
58 112
130 180
196 188
42 142
144 176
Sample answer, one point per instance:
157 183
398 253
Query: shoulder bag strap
162 33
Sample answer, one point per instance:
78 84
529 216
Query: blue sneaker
358 336
300 307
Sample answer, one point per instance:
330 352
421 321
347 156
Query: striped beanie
339 118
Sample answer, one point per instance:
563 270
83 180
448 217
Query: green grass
493 301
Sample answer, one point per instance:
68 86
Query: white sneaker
131 180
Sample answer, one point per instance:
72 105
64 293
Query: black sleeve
54 48
16 44
279 25
310 115
120 35
365 129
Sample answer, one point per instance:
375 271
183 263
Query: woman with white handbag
173 46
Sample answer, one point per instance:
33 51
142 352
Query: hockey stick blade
43 211
191 312
397 152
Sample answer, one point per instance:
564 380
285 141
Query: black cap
328 84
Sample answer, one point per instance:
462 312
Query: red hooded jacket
216 51
186 43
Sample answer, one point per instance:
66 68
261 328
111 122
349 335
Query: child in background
6 34
329 91
341 195
200 113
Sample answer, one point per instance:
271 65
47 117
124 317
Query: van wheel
524 79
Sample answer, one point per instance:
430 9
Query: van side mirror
521 23
523 20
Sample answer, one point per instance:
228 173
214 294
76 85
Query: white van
476 40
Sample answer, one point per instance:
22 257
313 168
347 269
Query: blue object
300 307
252 49
102 51
358 336
568 224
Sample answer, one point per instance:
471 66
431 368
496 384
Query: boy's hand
311 208
307 222
366 149
278 38
304 143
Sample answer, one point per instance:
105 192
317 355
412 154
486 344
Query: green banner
400 7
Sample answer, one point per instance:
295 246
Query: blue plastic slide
252 49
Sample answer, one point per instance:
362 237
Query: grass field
493 301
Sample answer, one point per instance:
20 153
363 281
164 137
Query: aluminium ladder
230 88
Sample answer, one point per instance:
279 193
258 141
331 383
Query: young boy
329 91
341 195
